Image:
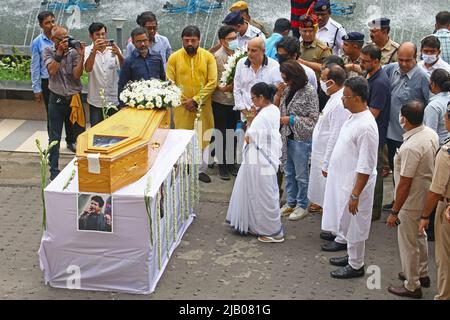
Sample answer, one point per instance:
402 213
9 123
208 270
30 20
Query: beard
191 50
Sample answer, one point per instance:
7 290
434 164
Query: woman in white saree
254 204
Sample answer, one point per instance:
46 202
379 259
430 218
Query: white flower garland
151 94
158 220
166 214
174 204
230 67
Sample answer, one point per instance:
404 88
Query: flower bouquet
151 94
230 67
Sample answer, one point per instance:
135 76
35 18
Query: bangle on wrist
291 120
393 212
353 197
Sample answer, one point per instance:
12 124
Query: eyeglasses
346 97
231 39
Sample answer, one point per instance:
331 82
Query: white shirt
245 77
328 32
440 64
104 75
252 32
312 79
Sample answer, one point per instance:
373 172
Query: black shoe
333 246
388 206
327 236
347 272
232 169
72 147
223 172
339 261
211 165
203 177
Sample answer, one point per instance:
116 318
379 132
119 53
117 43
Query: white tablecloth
124 260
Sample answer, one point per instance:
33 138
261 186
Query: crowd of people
322 109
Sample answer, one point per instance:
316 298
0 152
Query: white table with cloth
133 257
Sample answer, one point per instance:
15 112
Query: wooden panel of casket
120 149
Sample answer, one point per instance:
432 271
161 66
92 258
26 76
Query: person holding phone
103 60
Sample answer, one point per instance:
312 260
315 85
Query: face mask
429 58
232 45
402 123
190 50
323 86
282 58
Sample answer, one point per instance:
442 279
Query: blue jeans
296 172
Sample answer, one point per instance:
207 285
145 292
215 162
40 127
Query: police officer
353 43
312 50
439 194
330 31
245 31
242 7
379 34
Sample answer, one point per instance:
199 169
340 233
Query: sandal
313 208
267 239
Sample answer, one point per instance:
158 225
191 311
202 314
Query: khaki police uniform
260 26
389 52
347 60
414 159
441 185
316 51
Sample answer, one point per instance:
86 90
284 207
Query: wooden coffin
120 150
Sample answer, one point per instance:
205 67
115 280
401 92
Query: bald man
257 67
408 82
65 67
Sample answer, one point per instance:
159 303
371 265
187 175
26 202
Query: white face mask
323 85
429 58
402 123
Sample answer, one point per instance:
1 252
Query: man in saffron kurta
194 70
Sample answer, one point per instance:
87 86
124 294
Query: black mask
190 50
282 58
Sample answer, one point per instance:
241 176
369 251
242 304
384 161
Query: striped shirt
298 8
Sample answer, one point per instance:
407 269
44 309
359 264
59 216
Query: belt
60 97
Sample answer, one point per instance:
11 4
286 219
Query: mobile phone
111 42
397 222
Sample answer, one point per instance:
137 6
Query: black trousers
96 114
225 121
70 136
59 113
323 98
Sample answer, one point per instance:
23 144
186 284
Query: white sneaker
299 213
286 210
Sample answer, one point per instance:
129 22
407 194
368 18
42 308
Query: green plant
15 67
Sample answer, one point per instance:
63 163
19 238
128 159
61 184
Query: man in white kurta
325 135
351 179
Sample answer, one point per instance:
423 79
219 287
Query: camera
73 43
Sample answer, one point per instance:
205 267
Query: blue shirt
136 68
38 68
161 46
271 45
444 37
380 98
404 87
434 115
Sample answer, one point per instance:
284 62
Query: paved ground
212 262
